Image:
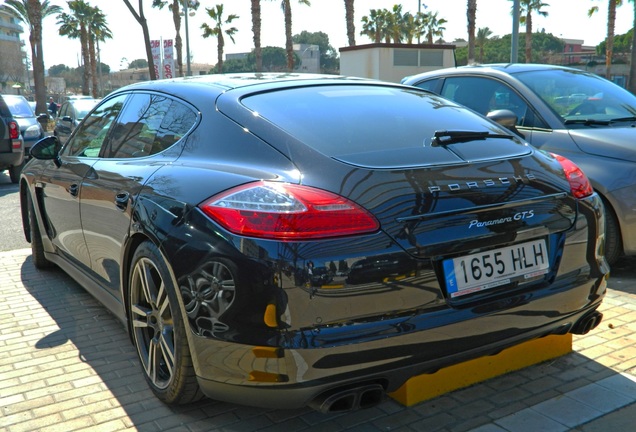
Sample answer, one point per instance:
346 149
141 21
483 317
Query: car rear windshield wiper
445 137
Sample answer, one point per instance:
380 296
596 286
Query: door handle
121 200
73 189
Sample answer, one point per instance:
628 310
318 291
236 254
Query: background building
13 73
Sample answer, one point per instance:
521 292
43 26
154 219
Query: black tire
37 249
613 239
158 330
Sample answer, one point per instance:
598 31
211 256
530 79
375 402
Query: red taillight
579 183
14 130
285 211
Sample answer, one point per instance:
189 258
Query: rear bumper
13 158
295 377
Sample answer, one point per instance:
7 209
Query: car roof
519 67
225 82
492 68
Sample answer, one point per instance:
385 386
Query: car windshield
581 98
18 106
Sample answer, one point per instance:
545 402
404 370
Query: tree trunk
256 30
351 27
471 14
93 64
609 47
178 43
289 46
141 19
34 12
86 62
529 37
219 51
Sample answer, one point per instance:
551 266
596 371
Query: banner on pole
155 49
168 58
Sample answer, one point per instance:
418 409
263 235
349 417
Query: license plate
493 268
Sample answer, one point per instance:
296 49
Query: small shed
392 62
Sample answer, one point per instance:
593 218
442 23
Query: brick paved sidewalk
66 364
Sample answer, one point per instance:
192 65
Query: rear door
148 125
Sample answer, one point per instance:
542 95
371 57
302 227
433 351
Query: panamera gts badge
516 217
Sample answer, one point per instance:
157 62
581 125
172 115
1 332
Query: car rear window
343 120
18 106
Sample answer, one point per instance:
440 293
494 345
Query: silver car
579 115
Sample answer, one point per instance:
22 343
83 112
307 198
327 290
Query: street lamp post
514 41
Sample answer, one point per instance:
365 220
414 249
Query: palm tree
289 45
217 31
351 27
76 26
175 7
434 27
611 22
32 13
411 27
471 13
482 37
527 8
98 32
256 31
374 25
141 19
395 25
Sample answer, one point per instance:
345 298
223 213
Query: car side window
485 95
149 124
91 135
64 110
430 85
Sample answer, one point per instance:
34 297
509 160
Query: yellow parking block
427 386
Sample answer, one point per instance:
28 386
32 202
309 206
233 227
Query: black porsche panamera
195 209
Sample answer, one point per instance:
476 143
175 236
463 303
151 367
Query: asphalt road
11 235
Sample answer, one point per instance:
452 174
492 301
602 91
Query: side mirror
47 148
505 118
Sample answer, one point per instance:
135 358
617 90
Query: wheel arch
131 247
614 222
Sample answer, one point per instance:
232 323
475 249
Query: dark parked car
30 127
581 116
189 207
11 143
70 115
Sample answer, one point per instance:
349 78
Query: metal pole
100 87
514 48
188 69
